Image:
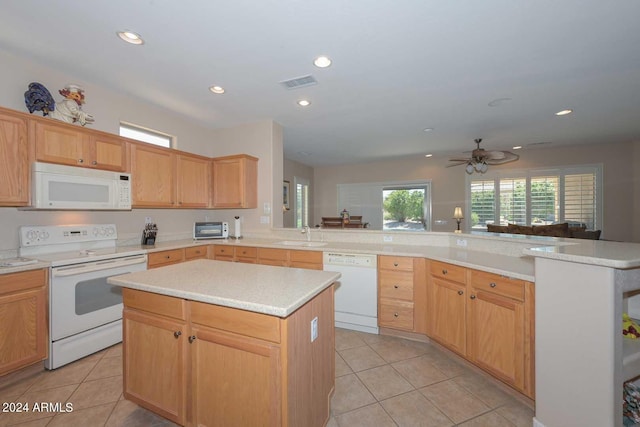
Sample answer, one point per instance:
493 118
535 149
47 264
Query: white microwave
70 187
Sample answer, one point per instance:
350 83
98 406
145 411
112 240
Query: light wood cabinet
311 260
246 254
23 316
153 172
448 322
402 293
193 181
162 258
196 252
14 160
235 182
486 318
69 145
500 328
233 367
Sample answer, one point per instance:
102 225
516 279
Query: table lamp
457 215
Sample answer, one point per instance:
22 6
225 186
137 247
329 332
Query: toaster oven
210 230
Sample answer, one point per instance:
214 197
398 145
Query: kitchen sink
301 243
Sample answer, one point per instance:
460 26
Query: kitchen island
221 344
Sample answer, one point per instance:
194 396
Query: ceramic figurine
69 110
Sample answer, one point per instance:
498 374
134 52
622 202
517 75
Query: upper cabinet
14 160
69 145
235 182
153 171
193 181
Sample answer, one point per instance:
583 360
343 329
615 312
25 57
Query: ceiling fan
481 158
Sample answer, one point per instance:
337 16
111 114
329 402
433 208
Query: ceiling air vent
299 82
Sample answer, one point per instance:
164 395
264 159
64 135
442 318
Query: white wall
261 139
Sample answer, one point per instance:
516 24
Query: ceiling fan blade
508 157
466 160
457 164
495 155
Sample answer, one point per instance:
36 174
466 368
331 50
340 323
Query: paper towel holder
237 234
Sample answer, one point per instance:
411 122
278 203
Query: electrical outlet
148 220
264 220
207 218
461 242
266 208
314 329
387 238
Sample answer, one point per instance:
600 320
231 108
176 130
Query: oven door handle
100 265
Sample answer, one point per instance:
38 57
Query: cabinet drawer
451 272
246 252
274 254
222 251
396 314
154 303
395 263
157 259
505 286
313 257
23 280
396 285
306 265
195 252
241 322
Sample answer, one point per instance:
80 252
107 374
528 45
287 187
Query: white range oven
85 312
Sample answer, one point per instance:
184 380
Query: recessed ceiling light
322 62
427 129
304 103
517 147
428 155
217 89
130 37
564 112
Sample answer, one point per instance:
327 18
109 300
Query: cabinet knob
177 334
395 315
460 292
94 163
396 286
395 264
472 297
192 338
80 161
444 271
493 285
167 256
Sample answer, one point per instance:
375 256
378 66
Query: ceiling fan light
478 167
484 168
469 168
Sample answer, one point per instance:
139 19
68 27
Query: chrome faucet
307 230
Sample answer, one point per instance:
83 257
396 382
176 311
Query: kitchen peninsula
216 343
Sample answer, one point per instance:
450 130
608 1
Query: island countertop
275 291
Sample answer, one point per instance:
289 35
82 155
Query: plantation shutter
580 199
513 200
544 199
483 203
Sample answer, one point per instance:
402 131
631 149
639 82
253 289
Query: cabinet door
154 350
14 158
497 336
192 181
109 153
235 380
448 315
235 182
56 143
152 176
24 329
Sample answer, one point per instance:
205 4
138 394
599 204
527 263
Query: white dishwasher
356 293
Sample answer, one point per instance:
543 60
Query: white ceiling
399 66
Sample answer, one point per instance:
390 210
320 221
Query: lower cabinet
207 365
23 316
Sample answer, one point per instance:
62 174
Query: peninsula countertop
262 289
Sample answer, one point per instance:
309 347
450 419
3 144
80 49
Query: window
301 206
139 133
393 206
537 197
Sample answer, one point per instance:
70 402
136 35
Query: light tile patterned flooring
380 381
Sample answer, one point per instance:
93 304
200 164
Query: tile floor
380 381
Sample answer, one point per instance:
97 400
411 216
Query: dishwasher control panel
350 259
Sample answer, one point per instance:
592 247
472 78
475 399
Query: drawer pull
492 284
94 163
472 297
395 264
395 314
177 334
167 256
460 292
192 338
396 286
444 271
